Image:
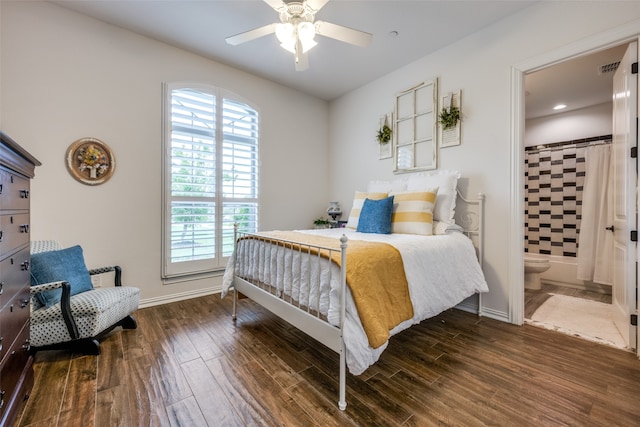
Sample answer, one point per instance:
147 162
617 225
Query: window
210 176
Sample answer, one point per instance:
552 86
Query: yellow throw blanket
375 275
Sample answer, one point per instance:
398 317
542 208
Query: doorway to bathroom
569 284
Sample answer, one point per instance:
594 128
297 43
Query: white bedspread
441 271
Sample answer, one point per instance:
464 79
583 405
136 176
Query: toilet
533 267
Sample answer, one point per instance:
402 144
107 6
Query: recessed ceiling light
560 107
393 33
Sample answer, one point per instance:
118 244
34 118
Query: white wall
576 124
481 67
65 76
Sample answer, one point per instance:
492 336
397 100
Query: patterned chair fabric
94 312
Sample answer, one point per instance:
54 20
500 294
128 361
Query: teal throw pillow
53 266
375 216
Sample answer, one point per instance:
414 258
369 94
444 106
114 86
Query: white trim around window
209 176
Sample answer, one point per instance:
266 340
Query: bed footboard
298 289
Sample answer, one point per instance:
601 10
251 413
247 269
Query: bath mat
579 317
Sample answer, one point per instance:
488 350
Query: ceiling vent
608 68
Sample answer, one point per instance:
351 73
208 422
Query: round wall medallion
90 161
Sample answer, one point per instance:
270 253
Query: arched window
210 176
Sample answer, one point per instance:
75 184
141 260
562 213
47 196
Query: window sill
192 277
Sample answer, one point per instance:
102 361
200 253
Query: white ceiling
575 83
335 68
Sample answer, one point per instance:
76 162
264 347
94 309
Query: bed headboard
469 216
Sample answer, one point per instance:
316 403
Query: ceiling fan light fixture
308 45
291 47
306 31
289 35
285 33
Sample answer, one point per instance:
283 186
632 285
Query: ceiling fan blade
277 5
344 34
252 34
316 4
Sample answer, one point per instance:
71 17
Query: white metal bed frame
308 319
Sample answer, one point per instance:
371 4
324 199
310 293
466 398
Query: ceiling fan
297 29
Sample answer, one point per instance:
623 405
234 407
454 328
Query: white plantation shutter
210 176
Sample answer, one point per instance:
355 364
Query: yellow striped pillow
358 201
413 212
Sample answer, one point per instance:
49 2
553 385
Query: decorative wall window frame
209 176
415 128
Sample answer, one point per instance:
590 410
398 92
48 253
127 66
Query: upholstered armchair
66 311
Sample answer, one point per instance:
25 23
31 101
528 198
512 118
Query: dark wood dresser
16 373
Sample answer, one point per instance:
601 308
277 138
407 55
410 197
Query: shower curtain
595 243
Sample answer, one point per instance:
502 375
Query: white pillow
358 201
395 186
440 228
447 182
413 212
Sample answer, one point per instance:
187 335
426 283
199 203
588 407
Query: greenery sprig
321 221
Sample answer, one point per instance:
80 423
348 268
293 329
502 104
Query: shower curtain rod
579 143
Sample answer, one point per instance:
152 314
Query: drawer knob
24 266
24 228
1 235
1 288
0 188
24 194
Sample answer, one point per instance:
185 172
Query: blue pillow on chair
375 216
53 266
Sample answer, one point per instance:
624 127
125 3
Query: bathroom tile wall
554 179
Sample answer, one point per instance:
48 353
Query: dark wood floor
188 364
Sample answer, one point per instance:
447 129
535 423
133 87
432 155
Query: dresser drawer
14 191
4 184
14 275
15 368
14 231
13 316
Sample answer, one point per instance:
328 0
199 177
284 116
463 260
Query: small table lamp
334 210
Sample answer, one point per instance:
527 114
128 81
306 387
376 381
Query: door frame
620 35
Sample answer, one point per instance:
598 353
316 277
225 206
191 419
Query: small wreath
384 134
90 161
449 117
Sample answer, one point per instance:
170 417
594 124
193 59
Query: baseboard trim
585 286
150 302
467 306
496 315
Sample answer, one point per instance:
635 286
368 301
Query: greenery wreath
449 117
384 134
